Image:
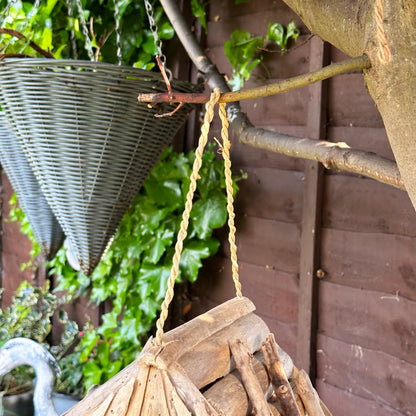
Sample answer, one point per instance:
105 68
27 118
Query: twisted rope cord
230 199
209 114
384 54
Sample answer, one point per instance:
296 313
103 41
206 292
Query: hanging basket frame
47 231
87 139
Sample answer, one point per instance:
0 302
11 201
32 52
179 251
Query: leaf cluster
30 316
245 51
50 26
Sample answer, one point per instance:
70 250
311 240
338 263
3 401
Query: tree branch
361 62
32 44
331 155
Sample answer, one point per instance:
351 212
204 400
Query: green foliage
16 214
29 316
281 35
198 10
245 51
134 271
49 26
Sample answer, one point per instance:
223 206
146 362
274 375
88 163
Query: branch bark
32 44
351 27
332 156
361 62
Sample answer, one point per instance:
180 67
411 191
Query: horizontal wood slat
379 262
370 319
353 204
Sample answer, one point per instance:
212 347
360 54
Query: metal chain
4 13
88 43
158 42
72 33
34 9
117 30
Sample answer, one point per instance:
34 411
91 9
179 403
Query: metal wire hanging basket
46 228
87 139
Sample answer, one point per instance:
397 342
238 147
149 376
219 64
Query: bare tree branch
32 44
331 155
279 87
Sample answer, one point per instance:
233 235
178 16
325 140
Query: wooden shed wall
366 330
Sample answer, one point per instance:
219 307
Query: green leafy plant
50 27
245 52
16 214
29 315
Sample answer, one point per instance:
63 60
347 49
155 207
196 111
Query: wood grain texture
242 357
370 139
353 204
265 242
343 403
349 103
372 261
277 194
370 319
358 370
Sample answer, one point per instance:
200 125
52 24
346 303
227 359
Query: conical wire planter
45 227
88 140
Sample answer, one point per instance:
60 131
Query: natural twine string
209 114
230 200
225 147
384 54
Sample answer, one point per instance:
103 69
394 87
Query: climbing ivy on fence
133 273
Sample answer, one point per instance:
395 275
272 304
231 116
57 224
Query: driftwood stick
282 389
229 396
324 408
242 357
300 404
308 394
190 395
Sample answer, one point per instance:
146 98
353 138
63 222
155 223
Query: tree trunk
350 25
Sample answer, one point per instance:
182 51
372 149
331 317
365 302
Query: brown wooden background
355 328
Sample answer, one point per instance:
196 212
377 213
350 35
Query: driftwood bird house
172 379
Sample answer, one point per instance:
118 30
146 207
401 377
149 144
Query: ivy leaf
281 35
92 374
156 245
156 277
292 31
166 31
103 354
276 33
164 192
192 255
209 214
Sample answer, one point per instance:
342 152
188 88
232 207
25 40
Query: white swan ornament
21 351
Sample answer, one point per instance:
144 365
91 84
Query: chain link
34 9
117 30
84 28
72 33
158 42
